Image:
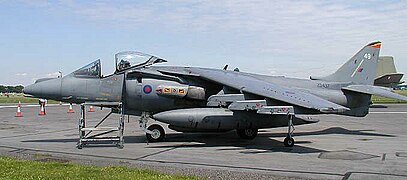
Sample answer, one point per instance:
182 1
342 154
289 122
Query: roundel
147 89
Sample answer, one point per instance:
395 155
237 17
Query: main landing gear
247 133
252 133
155 132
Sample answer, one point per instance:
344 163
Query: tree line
11 89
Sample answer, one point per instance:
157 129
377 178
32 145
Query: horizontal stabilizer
375 90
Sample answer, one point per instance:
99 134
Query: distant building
386 74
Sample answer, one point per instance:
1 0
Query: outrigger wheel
288 142
157 133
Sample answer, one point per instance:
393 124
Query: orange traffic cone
70 110
42 109
91 109
18 113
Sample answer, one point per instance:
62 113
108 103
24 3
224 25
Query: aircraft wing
253 85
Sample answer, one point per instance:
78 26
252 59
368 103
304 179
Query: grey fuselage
185 97
76 89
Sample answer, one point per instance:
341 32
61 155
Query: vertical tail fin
360 69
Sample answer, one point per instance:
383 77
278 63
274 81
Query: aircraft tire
247 133
288 142
158 133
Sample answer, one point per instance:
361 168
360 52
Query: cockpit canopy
124 60
93 69
129 59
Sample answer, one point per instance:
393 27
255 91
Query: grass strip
12 168
384 100
13 99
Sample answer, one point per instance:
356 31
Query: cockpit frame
130 59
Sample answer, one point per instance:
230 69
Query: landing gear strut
154 133
289 140
247 133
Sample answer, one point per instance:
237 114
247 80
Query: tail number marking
323 85
367 56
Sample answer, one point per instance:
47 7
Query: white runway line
388 112
32 105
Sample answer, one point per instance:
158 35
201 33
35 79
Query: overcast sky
291 38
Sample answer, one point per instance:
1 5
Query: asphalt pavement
338 147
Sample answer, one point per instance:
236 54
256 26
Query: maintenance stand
100 135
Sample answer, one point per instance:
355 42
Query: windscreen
91 70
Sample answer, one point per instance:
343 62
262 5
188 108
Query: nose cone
49 89
33 89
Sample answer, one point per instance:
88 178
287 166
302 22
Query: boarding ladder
101 135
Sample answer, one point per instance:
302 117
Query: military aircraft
387 75
194 99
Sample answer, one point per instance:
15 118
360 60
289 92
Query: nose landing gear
155 132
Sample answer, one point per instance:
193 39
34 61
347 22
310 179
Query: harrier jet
387 75
195 99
